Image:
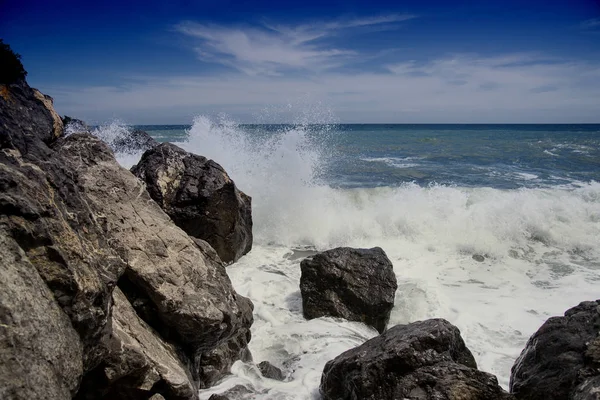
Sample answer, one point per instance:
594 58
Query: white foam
540 247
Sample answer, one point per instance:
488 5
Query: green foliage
11 68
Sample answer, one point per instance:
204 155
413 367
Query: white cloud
275 49
459 88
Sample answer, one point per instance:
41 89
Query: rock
139 362
74 125
238 392
40 352
179 291
133 142
478 258
26 123
355 284
216 363
74 225
425 360
200 198
560 360
270 371
44 210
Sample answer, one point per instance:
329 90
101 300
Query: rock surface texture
561 360
425 360
200 198
102 296
355 284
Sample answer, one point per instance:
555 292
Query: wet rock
425 360
355 284
270 371
238 392
216 363
200 198
478 258
560 360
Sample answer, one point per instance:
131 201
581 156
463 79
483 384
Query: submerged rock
355 284
200 198
270 371
560 360
425 360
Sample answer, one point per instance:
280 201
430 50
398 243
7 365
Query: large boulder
425 360
200 198
561 360
355 284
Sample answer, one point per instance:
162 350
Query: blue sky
151 62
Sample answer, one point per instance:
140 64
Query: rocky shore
113 284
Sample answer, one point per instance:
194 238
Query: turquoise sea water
499 156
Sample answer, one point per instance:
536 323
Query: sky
165 62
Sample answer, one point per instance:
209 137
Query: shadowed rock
425 360
200 198
560 360
355 284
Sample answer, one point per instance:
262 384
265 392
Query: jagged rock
44 210
355 284
216 363
73 225
200 198
270 371
425 360
139 362
26 118
188 298
560 360
40 352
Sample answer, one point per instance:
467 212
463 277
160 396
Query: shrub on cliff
11 69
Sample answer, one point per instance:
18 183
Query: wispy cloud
272 49
458 88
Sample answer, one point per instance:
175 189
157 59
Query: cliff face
101 295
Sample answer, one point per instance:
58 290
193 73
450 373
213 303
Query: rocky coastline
114 285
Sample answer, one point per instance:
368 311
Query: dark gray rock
561 360
355 284
200 198
216 363
425 360
268 370
238 392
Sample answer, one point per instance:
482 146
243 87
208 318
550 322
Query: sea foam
540 250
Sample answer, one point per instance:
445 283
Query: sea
495 228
